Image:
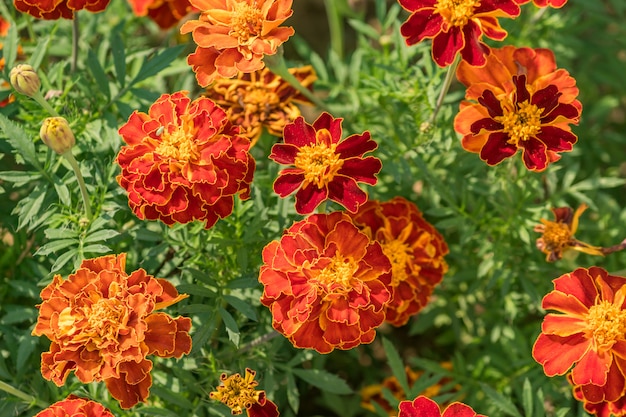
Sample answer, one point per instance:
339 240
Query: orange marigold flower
235 35
606 401
326 283
184 161
56 9
4 28
103 322
165 13
456 25
74 406
518 101
590 334
425 407
261 98
324 166
558 235
545 3
416 251
241 394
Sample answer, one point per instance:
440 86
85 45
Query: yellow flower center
556 235
246 22
522 123
319 162
399 254
257 100
456 12
180 143
338 274
607 324
237 393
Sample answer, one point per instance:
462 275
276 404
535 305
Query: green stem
444 90
335 26
81 182
259 341
75 37
38 97
322 207
20 394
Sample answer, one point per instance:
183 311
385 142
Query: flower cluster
240 393
425 407
74 406
165 13
52 10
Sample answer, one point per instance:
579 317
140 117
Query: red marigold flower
74 406
557 4
56 9
416 251
608 400
325 167
425 407
261 98
235 35
590 335
102 323
240 394
518 101
184 161
165 13
326 283
456 25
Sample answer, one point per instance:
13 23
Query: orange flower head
425 407
416 251
606 401
234 35
56 9
241 394
557 4
74 406
4 27
103 322
165 13
184 161
590 333
261 98
326 283
519 101
558 235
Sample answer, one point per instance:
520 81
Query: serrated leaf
96 249
60 233
29 212
98 73
64 258
242 306
503 403
158 62
231 326
55 245
396 364
194 289
323 380
100 235
19 178
19 140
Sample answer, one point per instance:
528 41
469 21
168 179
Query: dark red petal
283 153
474 51
308 198
421 25
299 133
497 148
288 181
328 122
362 170
568 111
556 139
356 145
446 45
521 94
534 154
487 124
491 103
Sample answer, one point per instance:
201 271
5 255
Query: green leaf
101 235
231 326
56 245
98 73
30 211
527 398
171 397
19 140
119 54
96 249
19 178
194 289
503 403
27 345
202 335
242 306
18 314
323 380
396 364
40 51
364 29
293 395
10 46
157 63
64 258
63 192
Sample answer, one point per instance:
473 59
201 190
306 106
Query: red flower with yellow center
608 400
103 322
241 394
425 407
261 98
56 9
74 406
165 13
415 249
326 283
590 334
184 161
324 166
518 101
456 26
234 35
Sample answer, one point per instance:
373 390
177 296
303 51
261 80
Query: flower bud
25 80
57 134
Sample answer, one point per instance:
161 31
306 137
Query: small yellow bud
25 80
57 134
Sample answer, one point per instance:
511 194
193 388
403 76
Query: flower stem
614 248
20 394
75 37
335 26
81 182
444 90
38 97
259 341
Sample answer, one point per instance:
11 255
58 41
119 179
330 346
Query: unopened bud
57 134
25 80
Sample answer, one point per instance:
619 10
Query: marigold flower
165 13
606 401
234 35
326 283
261 98
56 9
4 27
425 407
240 394
416 251
518 101
456 26
325 167
590 334
557 4
102 323
183 161
74 406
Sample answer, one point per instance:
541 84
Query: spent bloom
322 165
234 35
74 406
240 393
519 101
56 9
56 133
425 407
456 26
261 99
183 161
413 246
165 13
103 322
326 283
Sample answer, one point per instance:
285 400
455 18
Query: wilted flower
326 283
56 133
103 322
74 406
165 13
518 101
241 394
261 98
234 35
456 26
416 251
324 166
52 10
25 80
183 161
425 407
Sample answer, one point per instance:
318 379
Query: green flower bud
57 134
25 80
